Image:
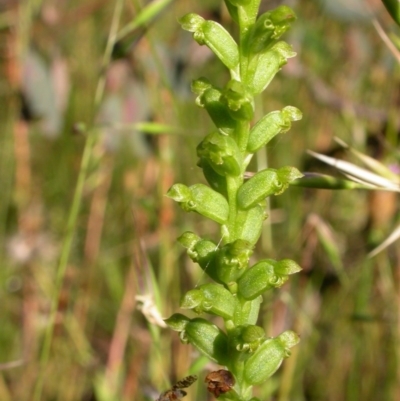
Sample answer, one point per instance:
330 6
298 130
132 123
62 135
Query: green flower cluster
237 205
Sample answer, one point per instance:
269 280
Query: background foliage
124 270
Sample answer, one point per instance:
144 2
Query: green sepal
247 338
247 312
209 98
249 223
274 123
222 153
211 298
264 66
201 199
191 22
208 339
201 251
179 193
177 322
214 36
269 27
286 267
286 175
265 183
216 181
231 261
268 357
238 101
189 240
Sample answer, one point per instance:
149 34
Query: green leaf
321 181
393 7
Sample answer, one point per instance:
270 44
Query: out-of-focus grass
104 347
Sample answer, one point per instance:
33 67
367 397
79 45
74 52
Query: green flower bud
208 339
202 252
264 275
193 300
274 123
250 223
265 183
179 193
199 86
177 322
263 67
210 99
212 298
214 36
257 279
268 357
286 175
257 188
270 26
201 199
247 338
189 239
221 152
232 260
191 22
239 103
218 39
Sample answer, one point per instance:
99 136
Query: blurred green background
107 277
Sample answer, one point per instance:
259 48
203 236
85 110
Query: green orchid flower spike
236 203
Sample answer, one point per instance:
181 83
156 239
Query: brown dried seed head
185 382
219 382
175 393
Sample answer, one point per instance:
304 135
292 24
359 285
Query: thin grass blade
394 236
359 173
375 165
147 14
